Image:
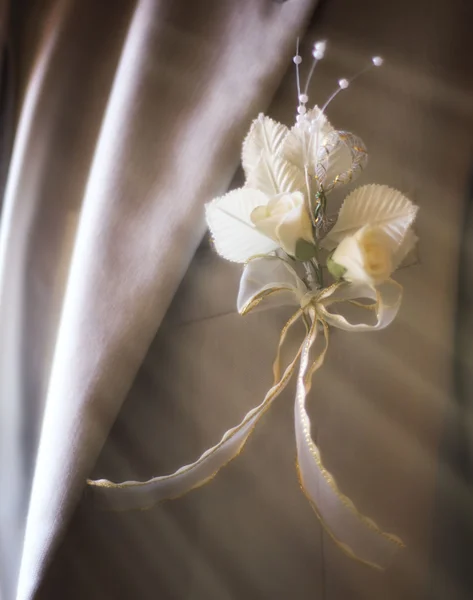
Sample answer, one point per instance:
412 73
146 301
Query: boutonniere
296 251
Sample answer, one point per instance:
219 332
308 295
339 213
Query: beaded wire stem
316 209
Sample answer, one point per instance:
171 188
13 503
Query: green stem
318 268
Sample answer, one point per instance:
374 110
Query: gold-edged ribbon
357 535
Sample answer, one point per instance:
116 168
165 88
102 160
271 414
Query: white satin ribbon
272 277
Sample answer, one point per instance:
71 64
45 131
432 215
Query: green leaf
334 268
305 250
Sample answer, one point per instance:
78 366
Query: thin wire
311 72
362 72
339 89
335 93
297 72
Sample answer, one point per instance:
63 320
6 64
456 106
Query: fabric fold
168 141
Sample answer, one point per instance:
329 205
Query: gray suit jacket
114 312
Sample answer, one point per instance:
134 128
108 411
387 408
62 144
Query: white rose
285 220
369 256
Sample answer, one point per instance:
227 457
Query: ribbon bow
264 277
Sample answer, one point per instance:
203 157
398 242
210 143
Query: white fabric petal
301 146
264 167
407 245
375 205
265 138
284 219
234 235
295 225
276 176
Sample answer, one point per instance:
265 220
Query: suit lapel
188 80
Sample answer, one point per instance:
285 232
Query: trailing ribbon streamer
264 277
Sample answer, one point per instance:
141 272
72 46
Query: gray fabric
130 118
452 539
378 404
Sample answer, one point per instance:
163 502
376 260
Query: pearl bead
377 61
301 110
303 98
319 50
343 83
297 59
